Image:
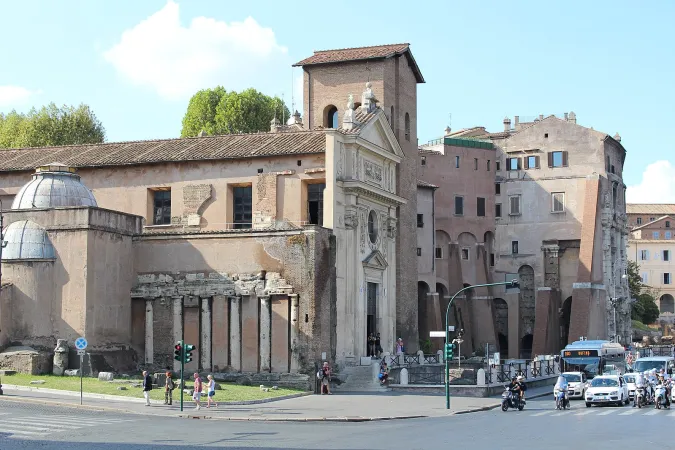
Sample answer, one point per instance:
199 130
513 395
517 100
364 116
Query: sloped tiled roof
361 54
656 209
424 184
361 120
233 146
639 227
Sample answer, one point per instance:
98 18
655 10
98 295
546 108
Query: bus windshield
587 365
642 365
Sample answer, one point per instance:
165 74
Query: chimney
507 124
573 117
566 117
516 122
275 125
541 117
202 134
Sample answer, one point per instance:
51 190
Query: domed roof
27 240
52 186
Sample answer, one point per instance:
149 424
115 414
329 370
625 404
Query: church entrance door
371 309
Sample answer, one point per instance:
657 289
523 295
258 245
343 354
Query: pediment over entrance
375 260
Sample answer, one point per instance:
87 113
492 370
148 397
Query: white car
576 382
607 389
629 378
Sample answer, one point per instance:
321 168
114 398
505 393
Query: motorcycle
661 397
562 400
641 397
511 399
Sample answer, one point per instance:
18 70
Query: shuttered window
557 159
531 162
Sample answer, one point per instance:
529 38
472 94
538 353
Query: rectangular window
424 160
639 221
512 163
655 234
667 223
668 235
475 164
532 162
498 166
644 255
557 159
439 253
498 188
465 254
420 221
666 278
162 207
480 207
611 170
514 247
651 219
514 205
488 165
315 203
608 164
644 277
419 251
459 206
457 162
243 207
498 210
557 202
492 259
666 255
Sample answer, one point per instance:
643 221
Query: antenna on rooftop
283 110
368 70
450 120
292 93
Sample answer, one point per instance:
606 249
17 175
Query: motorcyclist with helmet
515 387
561 385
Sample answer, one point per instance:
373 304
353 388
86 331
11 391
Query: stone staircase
360 379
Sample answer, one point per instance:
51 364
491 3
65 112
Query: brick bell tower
329 77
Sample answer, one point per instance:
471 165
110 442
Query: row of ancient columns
228 350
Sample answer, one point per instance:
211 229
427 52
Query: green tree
635 284
217 111
50 125
650 312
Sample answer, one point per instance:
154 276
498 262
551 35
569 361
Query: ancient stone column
295 326
149 349
177 326
265 334
60 357
205 338
235 333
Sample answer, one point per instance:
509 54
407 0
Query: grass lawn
641 326
230 392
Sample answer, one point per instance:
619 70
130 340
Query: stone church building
268 251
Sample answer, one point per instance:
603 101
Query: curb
305 419
495 406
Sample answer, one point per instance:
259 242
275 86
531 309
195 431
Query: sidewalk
338 407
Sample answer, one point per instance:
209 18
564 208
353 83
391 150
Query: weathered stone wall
6 322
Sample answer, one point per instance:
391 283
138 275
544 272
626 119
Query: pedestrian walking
169 386
197 393
325 379
399 347
147 387
211 392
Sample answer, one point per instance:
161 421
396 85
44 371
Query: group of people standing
170 385
374 347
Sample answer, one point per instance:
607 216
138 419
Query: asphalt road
30 426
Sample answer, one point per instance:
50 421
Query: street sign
451 328
81 352
437 334
80 343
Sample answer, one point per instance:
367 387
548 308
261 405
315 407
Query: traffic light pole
447 333
182 369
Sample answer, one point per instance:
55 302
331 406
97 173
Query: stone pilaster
295 327
235 333
149 347
265 334
205 336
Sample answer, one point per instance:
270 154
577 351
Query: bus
594 358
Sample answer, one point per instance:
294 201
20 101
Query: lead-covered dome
52 186
26 240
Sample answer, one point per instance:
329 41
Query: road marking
30 426
543 413
628 413
606 413
583 413
37 423
653 412
672 414
564 413
22 432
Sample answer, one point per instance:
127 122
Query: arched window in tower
330 117
407 126
391 118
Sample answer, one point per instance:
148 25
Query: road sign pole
447 334
182 369
81 364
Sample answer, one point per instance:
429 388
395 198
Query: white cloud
13 96
176 61
657 185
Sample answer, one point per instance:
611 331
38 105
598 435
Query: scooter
640 397
562 400
511 399
661 397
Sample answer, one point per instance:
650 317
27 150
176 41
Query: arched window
330 117
372 226
391 118
407 126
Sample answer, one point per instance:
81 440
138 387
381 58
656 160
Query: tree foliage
50 125
217 111
644 309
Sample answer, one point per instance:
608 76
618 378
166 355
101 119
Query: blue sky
136 63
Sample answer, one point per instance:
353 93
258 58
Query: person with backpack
169 386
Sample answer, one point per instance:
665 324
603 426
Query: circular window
372 226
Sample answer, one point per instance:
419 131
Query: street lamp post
2 245
513 283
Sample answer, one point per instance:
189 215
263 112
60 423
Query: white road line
543 413
27 427
583 413
653 412
564 413
24 432
606 413
85 421
36 422
628 413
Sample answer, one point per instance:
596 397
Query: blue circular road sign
81 343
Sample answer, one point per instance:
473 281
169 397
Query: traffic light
188 352
449 351
178 352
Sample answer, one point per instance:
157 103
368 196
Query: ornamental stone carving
391 227
372 171
351 219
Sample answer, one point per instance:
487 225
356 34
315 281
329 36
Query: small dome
52 186
27 240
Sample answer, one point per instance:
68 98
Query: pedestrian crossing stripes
40 426
576 412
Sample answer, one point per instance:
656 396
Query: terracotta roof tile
422 183
232 146
361 54
644 208
362 119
